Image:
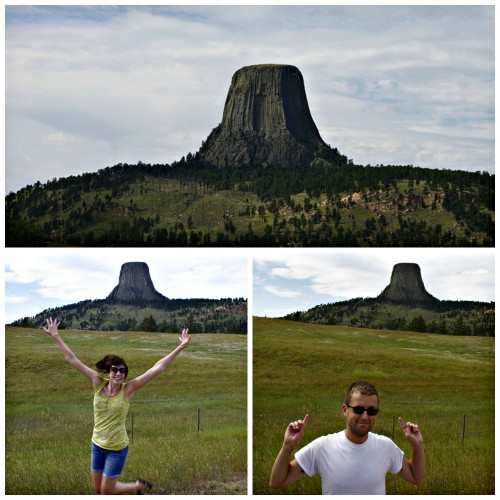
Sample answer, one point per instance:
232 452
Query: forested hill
331 202
433 316
168 315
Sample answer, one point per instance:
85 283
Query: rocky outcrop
266 121
135 284
406 285
381 201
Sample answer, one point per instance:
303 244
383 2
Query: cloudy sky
36 279
288 281
90 87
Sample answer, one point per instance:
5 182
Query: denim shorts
109 462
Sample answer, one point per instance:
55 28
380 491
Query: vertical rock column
134 284
406 285
266 121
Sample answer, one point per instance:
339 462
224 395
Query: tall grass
433 380
49 413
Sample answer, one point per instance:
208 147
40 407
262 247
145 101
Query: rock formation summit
135 284
266 121
406 285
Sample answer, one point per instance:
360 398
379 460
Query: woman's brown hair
105 364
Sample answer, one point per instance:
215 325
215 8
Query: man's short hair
364 388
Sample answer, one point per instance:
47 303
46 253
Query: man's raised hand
411 432
295 431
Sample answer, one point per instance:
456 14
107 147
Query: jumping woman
112 397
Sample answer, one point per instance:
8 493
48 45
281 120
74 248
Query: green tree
190 324
417 324
25 323
459 327
148 324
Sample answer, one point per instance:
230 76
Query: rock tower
266 121
135 284
406 285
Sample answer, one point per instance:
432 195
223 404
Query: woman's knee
96 482
108 486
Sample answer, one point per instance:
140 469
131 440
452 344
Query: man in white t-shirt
354 461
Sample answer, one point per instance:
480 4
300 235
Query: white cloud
477 272
58 139
286 294
13 299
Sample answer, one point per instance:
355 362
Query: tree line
434 316
467 195
164 316
268 182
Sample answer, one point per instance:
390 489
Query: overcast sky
90 87
285 281
36 279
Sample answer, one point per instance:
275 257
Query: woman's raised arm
159 367
69 356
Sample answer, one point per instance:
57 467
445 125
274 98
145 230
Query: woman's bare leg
111 486
96 482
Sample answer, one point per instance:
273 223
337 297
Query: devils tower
135 284
266 121
406 285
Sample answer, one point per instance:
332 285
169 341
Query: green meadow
445 384
187 428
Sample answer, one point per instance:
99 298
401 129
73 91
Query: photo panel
143 350
415 324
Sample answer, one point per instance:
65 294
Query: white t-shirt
347 468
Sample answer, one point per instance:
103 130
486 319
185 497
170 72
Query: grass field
432 380
49 413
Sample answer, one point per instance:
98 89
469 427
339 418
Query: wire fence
208 416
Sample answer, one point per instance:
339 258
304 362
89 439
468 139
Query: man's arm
413 469
286 471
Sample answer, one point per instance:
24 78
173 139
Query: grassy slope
174 202
433 380
49 413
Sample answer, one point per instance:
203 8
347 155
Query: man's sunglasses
114 369
359 410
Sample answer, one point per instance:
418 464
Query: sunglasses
359 410
114 369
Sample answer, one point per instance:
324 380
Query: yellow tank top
109 419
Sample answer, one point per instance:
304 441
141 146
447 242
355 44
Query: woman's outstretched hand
51 328
185 338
